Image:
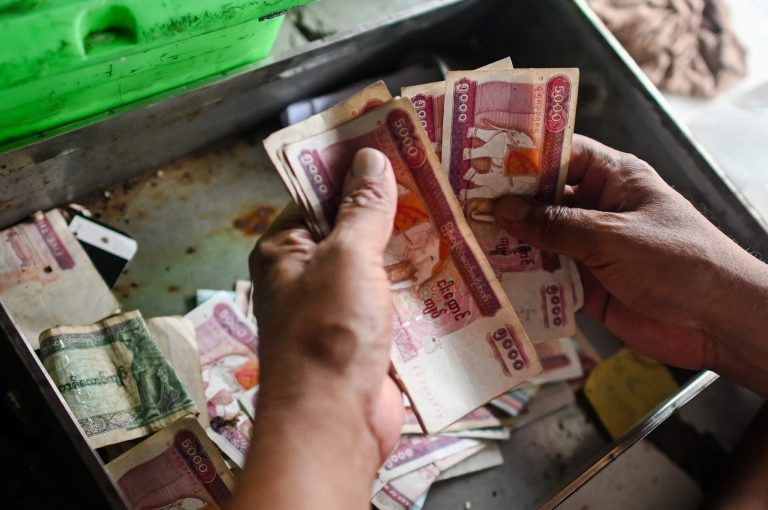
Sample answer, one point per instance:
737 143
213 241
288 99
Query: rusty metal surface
195 219
86 156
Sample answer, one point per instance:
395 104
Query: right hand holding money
656 273
324 312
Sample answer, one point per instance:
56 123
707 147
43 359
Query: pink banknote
177 468
482 417
228 348
429 100
47 278
509 132
458 343
414 452
560 361
401 493
516 402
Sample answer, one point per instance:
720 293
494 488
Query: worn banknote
175 336
549 399
559 361
487 457
402 492
589 358
228 347
509 131
482 417
47 279
490 433
458 343
516 402
114 378
429 100
414 452
361 102
178 468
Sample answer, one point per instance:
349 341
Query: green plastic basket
65 60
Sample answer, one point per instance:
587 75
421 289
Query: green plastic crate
64 60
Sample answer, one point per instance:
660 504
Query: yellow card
625 387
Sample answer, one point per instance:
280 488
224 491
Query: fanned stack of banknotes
485 338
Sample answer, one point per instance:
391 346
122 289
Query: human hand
325 329
656 273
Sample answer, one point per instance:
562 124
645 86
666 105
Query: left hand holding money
327 415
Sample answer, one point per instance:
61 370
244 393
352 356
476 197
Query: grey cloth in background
685 46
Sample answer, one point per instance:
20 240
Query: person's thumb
368 203
569 231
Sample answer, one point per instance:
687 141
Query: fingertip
370 166
368 163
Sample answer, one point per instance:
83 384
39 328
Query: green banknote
117 382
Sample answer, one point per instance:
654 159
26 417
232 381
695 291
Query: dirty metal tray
185 174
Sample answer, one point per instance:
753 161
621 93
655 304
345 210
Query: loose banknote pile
471 444
485 339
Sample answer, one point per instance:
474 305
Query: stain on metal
182 214
256 220
122 290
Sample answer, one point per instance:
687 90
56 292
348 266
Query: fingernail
512 209
368 163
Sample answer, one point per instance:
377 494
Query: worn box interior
185 174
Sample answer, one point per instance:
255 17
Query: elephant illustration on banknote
513 169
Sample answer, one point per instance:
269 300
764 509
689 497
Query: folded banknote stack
468 298
485 338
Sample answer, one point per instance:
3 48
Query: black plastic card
109 249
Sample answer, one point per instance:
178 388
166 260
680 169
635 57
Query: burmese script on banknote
114 378
176 469
47 279
509 131
458 342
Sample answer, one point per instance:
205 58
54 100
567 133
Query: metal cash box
196 223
